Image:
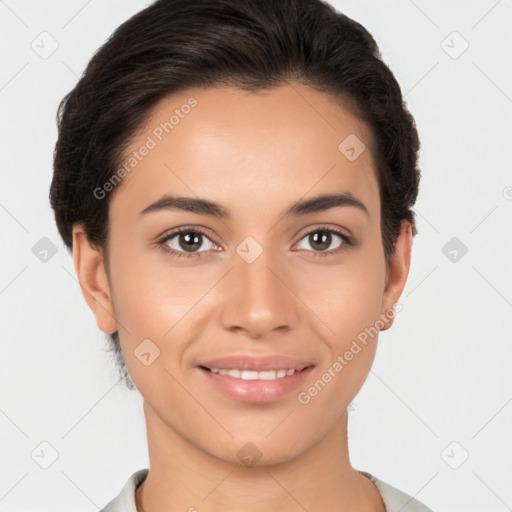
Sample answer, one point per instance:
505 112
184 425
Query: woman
235 180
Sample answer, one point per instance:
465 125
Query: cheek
158 300
346 297
350 310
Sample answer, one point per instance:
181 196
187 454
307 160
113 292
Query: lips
256 379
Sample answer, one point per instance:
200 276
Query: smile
256 387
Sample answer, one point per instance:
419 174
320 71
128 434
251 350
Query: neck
183 477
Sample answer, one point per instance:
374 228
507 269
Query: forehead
248 150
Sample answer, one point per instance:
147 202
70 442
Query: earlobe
398 271
92 276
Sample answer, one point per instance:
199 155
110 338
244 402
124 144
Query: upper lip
257 363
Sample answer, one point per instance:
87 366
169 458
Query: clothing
394 499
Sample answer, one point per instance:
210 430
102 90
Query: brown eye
187 242
322 239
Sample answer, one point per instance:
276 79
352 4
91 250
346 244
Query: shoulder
394 499
125 500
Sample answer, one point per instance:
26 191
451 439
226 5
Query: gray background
435 415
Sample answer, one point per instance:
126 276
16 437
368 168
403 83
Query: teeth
253 375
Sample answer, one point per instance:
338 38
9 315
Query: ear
92 276
397 273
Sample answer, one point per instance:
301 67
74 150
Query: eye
185 242
322 238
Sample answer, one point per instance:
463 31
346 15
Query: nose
258 297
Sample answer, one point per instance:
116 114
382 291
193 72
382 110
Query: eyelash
347 241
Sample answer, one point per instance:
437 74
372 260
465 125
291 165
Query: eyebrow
213 209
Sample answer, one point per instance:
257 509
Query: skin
256 154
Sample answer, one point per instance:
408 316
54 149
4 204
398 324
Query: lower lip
257 391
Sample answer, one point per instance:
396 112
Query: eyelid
344 232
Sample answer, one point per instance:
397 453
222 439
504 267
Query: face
255 277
